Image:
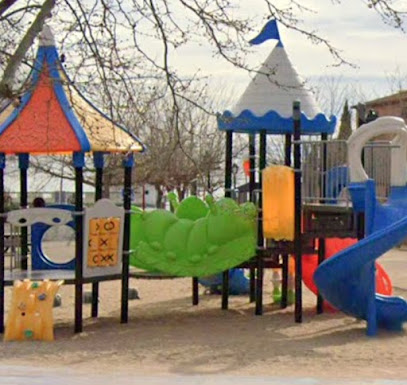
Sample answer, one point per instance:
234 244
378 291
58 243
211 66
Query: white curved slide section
388 125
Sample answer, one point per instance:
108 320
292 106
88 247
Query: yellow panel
278 203
93 242
94 226
30 315
93 258
108 258
103 242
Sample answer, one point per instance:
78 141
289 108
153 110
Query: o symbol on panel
109 226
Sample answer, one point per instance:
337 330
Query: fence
12 199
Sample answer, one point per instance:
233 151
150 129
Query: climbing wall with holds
30 314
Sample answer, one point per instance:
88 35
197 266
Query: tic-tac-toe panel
103 239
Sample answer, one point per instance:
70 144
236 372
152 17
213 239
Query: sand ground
166 335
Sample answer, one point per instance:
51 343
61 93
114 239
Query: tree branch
5 5
26 42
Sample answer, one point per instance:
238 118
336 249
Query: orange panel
42 125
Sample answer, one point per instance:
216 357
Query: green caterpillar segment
198 238
137 229
156 223
190 243
192 208
225 227
227 205
177 235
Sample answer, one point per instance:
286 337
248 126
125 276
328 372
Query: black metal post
195 291
321 258
252 161
252 186
260 236
252 283
322 241
2 166
285 257
23 162
298 209
128 168
360 225
98 162
79 163
228 194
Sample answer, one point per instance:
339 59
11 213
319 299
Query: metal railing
325 173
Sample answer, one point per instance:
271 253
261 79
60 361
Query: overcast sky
378 50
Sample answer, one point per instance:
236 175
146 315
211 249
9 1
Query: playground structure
298 208
315 232
54 118
316 216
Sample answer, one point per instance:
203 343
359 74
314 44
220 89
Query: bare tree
120 39
120 54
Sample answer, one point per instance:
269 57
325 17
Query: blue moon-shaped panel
39 260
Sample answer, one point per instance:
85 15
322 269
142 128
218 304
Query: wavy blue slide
347 280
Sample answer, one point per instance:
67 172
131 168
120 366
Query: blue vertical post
79 163
23 163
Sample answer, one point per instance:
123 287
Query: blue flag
269 31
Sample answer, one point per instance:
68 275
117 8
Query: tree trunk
194 187
160 194
181 193
106 185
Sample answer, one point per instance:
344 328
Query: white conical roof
275 87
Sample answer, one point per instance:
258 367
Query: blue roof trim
53 63
273 123
106 116
33 76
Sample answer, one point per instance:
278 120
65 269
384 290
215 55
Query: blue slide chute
347 280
